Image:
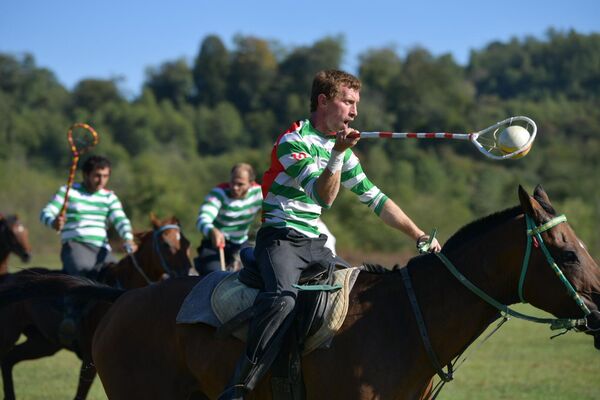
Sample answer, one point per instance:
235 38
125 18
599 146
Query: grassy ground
519 362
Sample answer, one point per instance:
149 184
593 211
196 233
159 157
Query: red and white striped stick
416 135
486 140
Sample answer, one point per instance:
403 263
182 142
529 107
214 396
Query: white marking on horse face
19 228
178 236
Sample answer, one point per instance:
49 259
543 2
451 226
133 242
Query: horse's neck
491 262
126 272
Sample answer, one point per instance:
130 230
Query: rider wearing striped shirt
90 209
308 164
225 217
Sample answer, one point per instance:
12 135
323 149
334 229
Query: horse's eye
569 257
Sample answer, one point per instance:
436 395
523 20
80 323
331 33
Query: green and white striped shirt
233 217
299 157
88 215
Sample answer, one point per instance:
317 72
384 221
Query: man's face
240 183
97 179
341 110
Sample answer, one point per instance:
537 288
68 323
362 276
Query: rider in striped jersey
225 217
308 164
83 229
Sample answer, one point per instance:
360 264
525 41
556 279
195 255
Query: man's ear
322 100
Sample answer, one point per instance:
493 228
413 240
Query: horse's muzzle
25 257
593 326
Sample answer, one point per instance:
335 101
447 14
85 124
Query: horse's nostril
26 257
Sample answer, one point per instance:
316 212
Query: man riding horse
308 164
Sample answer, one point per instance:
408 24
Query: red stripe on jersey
276 167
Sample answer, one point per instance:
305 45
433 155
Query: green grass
519 362
51 378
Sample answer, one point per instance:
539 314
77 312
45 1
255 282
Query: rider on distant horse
308 163
225 218
90 208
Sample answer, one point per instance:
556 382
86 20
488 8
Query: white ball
512 139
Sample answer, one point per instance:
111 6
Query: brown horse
14 238
379 353
162 251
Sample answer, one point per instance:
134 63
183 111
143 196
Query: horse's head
571 256
15 236
172 246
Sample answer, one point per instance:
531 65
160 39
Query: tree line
193 120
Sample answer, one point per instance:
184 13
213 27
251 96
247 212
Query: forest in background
194 119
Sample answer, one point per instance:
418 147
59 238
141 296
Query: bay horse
162 251
14 238
380 351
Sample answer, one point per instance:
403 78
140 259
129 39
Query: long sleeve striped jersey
88 215
233 217
297 160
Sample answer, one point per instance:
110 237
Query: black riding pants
282 255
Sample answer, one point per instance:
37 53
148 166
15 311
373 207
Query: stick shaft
222 257
416 135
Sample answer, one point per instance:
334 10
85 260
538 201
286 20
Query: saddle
320 309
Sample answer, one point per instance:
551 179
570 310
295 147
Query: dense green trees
192 121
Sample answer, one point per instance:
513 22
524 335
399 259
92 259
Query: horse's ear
175 220
155 221
531 206
542 197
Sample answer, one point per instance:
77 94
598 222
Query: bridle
533 232
156 247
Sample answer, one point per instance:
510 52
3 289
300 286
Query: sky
109 39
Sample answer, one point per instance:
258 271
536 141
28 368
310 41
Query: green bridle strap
555 323
533 231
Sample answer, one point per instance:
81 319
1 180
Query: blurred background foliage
194 120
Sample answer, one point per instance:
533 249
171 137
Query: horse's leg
87 373
36 346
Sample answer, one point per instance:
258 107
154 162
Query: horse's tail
38 284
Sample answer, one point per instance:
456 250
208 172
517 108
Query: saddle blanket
220 296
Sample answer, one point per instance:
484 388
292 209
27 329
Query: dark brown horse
379 353
14 238
162 251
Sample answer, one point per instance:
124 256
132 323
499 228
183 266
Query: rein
156 247
532 232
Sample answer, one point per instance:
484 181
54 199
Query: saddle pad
230 297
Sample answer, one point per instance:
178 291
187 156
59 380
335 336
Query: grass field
519 362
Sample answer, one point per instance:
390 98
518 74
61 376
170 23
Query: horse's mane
42 282
480 227
466 233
